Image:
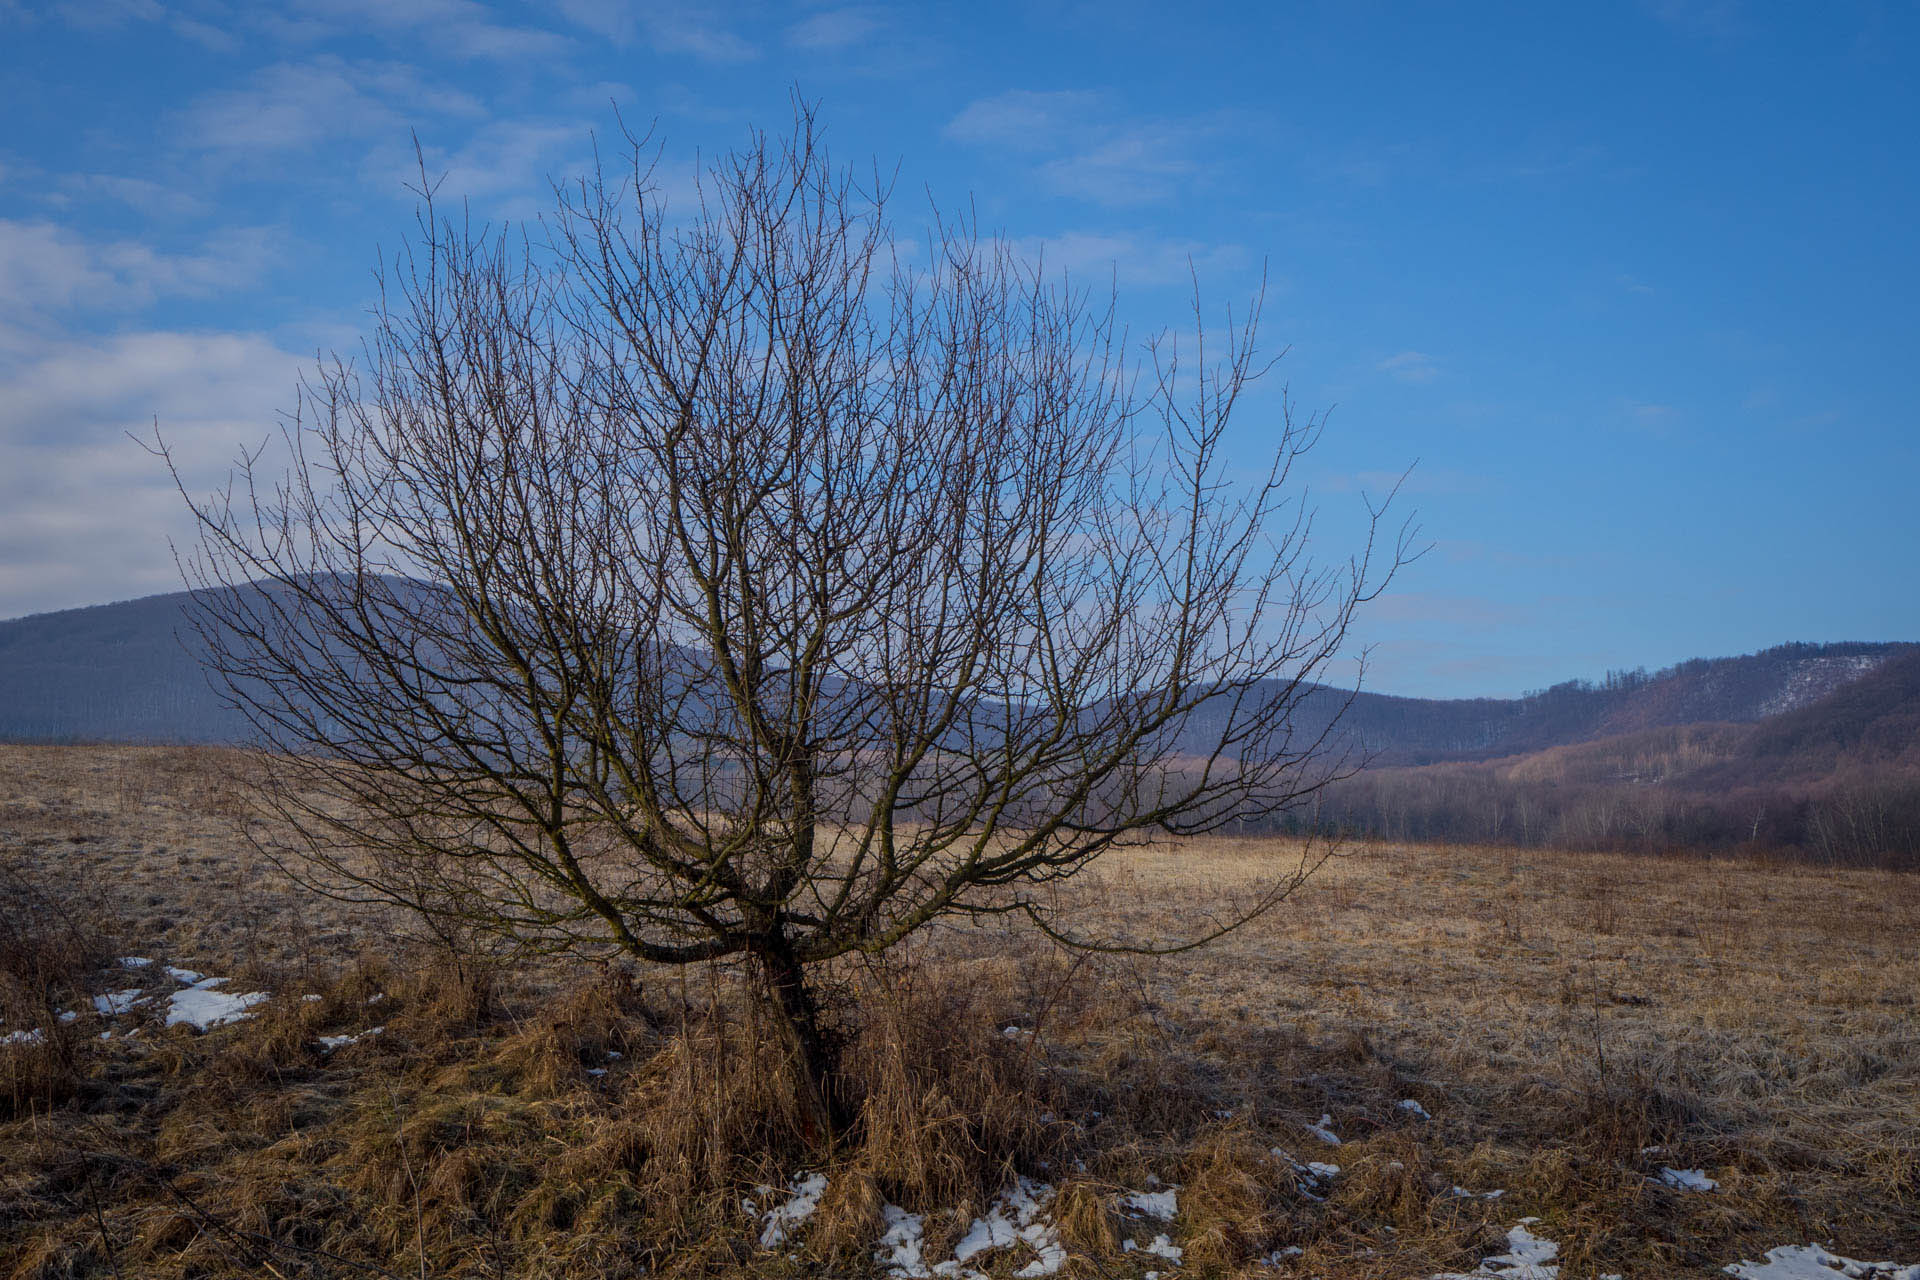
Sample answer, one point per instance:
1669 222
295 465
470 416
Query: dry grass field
1556 1028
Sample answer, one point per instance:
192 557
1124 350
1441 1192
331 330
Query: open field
1569 1026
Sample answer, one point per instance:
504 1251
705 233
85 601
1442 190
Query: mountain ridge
128 671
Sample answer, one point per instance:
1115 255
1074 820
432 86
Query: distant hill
1741 690
127 672
1834 779
130 672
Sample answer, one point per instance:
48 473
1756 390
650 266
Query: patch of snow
1322 1170
1323 1132
596 1071
330 1043
1014 1218
1688 1179
1279 1256
34 1036
68 1015
201 1007
310 999
902 1249
1413 1108
1465 1194
134 962
1154 1204
1161 1247
1528 1257
784 1219
185 976
1811 1262
376 997
115 1003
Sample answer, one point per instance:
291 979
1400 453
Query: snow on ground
1811 1262
1162 1204
1413 1108
785 1218
1161 1247
1015 1218
1687 1179
115 1003
330 1043
1313 1175
201 1007
34 1036
902 1249
1528 1257
1323 1132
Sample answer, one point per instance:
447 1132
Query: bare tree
753 585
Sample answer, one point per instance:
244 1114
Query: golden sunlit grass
1571 1024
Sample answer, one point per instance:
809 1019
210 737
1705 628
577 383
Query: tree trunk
796 1020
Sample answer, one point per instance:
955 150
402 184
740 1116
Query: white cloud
506 164
1024 119
833 29
150 198
667 26
296 105
458 28
1410 366
1091 151
89 512
46 268
1131 258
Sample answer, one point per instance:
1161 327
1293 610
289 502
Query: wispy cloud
668 26
46 269
834 29
89 512
1410 366
464 29
1085 148
1130 257
294 105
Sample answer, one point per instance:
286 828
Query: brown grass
1558 1015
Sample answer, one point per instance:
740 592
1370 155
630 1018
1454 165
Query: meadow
1661 1065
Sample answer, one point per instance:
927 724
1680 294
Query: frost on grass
1528 1257
781 1221
1687 1179
1811 1262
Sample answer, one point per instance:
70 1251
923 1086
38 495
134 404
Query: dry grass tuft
1235 1199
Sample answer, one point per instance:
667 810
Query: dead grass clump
850 1218
1088 1224
1387 1181
51 946
949 1106
1235 1197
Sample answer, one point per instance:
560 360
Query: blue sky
1633 282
